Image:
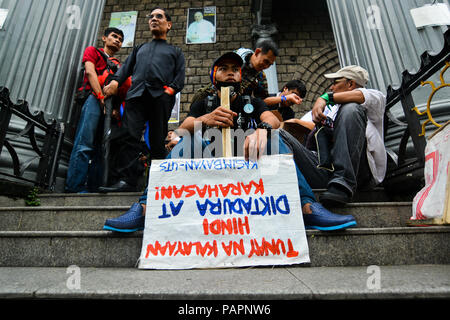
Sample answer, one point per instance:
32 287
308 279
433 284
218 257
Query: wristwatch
331 97
264 125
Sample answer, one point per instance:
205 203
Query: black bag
82 93
324 143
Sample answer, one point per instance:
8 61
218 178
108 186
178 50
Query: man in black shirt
292 93
245 112
226 71
157 69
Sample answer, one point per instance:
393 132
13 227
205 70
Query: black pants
128 144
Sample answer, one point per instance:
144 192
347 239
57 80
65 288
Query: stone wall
307 47
305 39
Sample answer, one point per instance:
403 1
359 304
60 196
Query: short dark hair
266 45
110 30
296 84
166 13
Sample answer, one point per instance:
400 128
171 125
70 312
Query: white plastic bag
432 202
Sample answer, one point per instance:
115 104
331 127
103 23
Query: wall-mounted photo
125 21
201 25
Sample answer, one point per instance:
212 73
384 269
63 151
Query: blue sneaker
131 221
322 219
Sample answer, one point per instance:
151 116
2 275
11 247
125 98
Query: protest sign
223 212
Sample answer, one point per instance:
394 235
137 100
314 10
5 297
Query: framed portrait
125 21
201 25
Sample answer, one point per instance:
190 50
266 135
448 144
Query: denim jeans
351 169
84 172
306 193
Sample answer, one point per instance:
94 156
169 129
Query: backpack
112 65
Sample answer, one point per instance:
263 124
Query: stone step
127 198
74 199
352 247
89 218
416 282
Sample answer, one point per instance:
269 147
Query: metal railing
48 154
430 65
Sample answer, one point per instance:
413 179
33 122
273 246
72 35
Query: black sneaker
121 186
335 196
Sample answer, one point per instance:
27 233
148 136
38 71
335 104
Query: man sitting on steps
244 114
357 147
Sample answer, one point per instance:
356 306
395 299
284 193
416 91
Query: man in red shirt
84 173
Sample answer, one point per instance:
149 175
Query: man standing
157 69
84 173
357 148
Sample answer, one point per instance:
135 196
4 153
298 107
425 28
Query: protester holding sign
245 112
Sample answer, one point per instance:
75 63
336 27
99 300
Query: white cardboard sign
223 212
431 15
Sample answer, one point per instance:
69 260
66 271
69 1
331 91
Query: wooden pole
226 134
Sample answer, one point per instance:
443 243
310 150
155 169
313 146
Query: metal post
5 115
414 127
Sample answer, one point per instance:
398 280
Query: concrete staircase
67 230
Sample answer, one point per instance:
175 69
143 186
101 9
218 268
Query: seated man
357 146
242 114
292 93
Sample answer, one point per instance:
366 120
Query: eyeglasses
158 16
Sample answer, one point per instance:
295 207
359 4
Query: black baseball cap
228 55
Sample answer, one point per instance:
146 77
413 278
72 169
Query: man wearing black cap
245 112
253 80
226 71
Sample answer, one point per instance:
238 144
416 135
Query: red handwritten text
211 248
275 247
182 248
209 191
228 226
